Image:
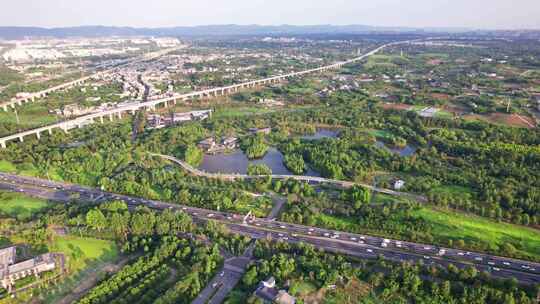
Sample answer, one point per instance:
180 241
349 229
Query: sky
481 14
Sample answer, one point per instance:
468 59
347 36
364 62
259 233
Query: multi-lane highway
363 246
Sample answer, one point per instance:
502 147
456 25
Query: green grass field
454 191
240 111
451 225
85 256
20 206
82 252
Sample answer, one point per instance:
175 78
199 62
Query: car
294 235
491 263
360 242
496 269
369 250
326 234
506 263
280 234
525 266
427 248
427 257
285 238
362 237
282 227
257 224
461 253
214 285
478 258
353 239
311 229
383 244
210 215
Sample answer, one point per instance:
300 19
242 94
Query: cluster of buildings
156 121
52 49
210 145
10 271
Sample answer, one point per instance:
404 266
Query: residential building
268 292
10 271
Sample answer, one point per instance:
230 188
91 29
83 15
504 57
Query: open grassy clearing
240 111
452 225
82 252
20 206
84 256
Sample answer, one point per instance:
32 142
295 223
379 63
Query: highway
358 245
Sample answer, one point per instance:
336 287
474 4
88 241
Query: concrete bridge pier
111 117
38 135
3 144
119 115
101 119
21 139
5 108
50 131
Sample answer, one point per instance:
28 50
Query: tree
193 155
96 219
258 169
250 278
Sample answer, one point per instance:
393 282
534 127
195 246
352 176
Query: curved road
313 179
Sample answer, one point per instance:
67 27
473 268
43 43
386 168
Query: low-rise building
10 271
399 184
268 292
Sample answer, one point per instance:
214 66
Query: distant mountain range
8 32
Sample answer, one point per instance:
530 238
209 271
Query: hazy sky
156 13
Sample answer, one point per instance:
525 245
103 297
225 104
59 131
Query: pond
405 151
237 162
322 133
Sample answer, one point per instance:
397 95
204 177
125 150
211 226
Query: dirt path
91 280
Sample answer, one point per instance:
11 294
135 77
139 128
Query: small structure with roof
268 292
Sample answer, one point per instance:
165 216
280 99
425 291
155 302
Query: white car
353 239
506 263
460 253
369 250
282 227
478 258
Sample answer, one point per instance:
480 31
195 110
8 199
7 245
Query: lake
322 133
405 151
237 162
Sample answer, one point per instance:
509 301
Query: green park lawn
83 252
239 111
20 206
452 225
